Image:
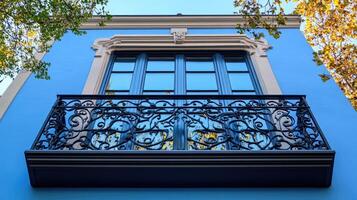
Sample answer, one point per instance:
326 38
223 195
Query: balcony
180 141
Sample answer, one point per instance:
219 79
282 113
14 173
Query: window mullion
136 87
180 78
180 132
224 85
138 79
224 88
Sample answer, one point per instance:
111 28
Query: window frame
256 50
180 72
110 70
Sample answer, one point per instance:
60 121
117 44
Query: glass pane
244 93
124 65
161 65
119 81
199 65
201 92
241 81
236 65
159 93
159 81
116 92
201 81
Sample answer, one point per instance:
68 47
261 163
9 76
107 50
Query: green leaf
50 20
325 77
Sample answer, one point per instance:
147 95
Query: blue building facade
72 61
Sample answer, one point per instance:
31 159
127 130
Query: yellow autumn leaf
211 135
31 34
5 51
336 2
27 43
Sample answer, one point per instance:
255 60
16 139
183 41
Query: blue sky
172 7
164 7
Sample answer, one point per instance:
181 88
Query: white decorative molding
179 34
257 49
181 21
264 71
97 71
204 42
263 47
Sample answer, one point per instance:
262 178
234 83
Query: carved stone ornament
179 35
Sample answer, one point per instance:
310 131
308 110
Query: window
159 76
201 76
240 76
185 73
121 76
181 73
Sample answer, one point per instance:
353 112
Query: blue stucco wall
71 60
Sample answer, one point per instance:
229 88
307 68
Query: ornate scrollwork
159 122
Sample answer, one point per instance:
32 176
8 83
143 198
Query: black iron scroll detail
147 122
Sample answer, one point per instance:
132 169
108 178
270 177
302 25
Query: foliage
28 27
330 28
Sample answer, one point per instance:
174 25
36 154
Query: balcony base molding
180 168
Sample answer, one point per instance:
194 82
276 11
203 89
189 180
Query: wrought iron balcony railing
79 126
180 122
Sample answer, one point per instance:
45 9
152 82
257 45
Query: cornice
180 21
127 42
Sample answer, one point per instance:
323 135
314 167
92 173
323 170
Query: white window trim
179 40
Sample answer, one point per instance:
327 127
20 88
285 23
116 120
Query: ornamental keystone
179 34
